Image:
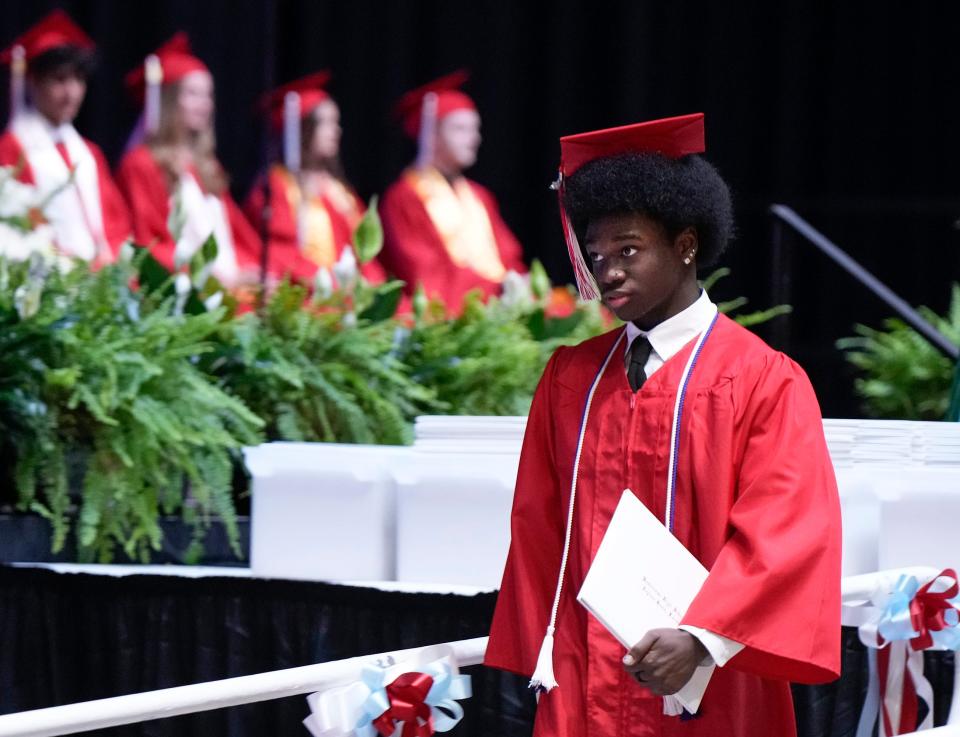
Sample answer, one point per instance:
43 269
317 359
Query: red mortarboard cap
672 137
55 30
176 60
449 98
310 89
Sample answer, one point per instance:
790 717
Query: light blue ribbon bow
895 624
443 695
894 621
376 703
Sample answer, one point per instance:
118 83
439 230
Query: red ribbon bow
928 610
407 696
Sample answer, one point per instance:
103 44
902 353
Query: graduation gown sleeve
246 243
116 216
11 154
511 253
775 583
144 185
285 257
523 609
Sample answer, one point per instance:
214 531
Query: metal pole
781 282
266 214
169 702
881 290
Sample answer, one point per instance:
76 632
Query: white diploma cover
642 578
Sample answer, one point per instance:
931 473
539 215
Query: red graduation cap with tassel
170 63
671 137
449 98
54 31
289 104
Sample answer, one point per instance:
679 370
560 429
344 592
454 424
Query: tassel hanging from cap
586 283
291 132
426 138
153 75
18 73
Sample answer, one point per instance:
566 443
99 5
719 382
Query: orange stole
315 231
461 221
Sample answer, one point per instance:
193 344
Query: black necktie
636 361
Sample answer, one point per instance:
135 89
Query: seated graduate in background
441 229
53 61
754 498
313 209
177 166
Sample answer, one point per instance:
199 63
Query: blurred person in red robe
441 229
313 209
176 167
51 62
752 493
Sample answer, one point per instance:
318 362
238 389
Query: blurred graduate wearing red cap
313 209
717 434
177 166
441 229
51 63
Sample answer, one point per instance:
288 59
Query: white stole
75 212
203 215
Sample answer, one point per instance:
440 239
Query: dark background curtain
844 110
75 637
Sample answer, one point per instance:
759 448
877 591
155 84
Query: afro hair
677 193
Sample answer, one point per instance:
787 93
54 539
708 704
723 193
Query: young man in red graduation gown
755 499
441 229
313 209
177 165
88 215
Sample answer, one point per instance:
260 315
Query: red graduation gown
414 251
286 258
116 217
756 503
144 184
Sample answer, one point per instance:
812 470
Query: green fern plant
126 405
904 376
312 377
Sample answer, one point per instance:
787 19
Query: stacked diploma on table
893 442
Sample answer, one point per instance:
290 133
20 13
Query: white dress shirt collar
675 332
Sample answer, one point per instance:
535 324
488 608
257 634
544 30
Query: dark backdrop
845 111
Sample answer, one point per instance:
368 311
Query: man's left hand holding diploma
664 660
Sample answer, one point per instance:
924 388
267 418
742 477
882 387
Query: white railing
141 707
170 702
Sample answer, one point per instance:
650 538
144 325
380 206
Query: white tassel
291 132
543 678
428 130
18 71
153 79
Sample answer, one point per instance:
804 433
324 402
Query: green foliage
488 360
107 387
953 413
119 404
313 375
730 307
368 236
904 376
